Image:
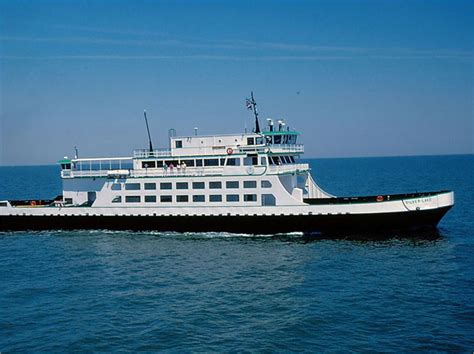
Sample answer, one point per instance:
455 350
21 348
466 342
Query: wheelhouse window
132 199
150 186
250 197
215 185
150 199
132 186
199 198
166 198
165 185
232 184
181 185
198 185
250 141
215 198
232 197
182 198
116 186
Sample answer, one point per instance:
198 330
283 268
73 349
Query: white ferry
252 182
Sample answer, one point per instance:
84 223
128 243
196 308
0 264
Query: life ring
379 198
33 203
230 151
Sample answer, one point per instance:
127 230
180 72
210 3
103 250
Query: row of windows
249 160
185 198
194 185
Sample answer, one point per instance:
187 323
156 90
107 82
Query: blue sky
357 78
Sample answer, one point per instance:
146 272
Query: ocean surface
149 291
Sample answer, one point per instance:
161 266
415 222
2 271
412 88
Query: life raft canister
379 198
230 151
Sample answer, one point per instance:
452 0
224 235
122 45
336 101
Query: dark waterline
105 291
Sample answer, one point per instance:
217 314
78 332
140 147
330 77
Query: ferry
252 182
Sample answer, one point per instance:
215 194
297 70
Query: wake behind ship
252 182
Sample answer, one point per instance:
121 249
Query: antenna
254 108
76 154
148 130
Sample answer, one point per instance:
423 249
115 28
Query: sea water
109 291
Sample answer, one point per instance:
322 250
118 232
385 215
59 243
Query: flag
248 103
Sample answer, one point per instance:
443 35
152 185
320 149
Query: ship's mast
253 105
148 131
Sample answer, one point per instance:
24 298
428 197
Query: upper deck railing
145 154
185 172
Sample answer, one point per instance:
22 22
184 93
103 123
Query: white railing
276 148
141 154
294 167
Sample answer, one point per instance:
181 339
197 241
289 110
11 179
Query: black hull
402 221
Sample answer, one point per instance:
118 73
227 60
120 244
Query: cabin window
165 185
250 141
232 197
215 198
117 199
198 185
116 186
250 197
198 163
198 198
233 161
287 159
182 185
211 162
232 184
251 160
150 199
189 163
132 199
166 199
263 161
148 164
66 166
292 159
250 184
266 184
67 200
132 186
215 185
179 144
268 200
159 163
259 141
150 186
3 204
222 162
182 198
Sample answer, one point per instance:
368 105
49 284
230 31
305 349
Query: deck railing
183 172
